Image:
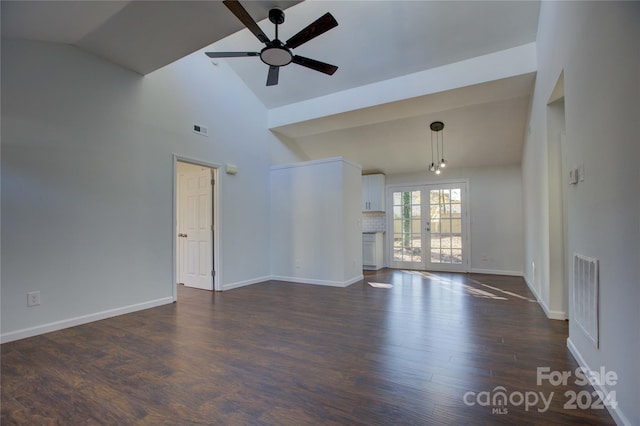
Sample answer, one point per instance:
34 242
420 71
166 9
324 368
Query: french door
429 227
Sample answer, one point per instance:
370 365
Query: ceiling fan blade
272 77
315 65
319 26
241 13
230 54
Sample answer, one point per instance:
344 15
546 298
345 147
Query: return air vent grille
201 130
585 295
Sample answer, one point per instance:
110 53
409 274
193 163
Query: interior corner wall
352 224
314 222
87 181
595 46
284 150
496 215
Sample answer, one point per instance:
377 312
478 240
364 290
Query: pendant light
437 162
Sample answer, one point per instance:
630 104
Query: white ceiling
379 40
484 126
139 35
375 41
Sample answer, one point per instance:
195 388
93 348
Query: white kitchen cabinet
373 193
372 251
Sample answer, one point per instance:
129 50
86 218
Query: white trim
83 319
216 219
319 282
554 315
496 272
450 181
616 413
245 283
316 162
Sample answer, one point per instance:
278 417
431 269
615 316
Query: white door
195 234
429 228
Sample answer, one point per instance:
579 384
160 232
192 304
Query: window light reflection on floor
453 285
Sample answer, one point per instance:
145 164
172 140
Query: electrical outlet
33 298
297 263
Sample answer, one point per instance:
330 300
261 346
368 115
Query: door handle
428 228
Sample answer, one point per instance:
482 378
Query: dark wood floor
292 354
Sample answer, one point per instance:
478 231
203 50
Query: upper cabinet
373 193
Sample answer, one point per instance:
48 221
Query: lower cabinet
372 251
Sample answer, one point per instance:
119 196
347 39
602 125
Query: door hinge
213 228
213 273
213 182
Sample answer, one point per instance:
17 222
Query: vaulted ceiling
402 64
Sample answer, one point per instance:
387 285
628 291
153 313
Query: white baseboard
497 272
617 414
300 280
245 283
83 319
555 315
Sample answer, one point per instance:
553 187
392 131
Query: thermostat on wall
231 169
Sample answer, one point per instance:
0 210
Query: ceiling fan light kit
277 54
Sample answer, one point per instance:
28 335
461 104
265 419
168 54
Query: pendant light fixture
437 162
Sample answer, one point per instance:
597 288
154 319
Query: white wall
496 216
595 45
284 150
87 181
315 222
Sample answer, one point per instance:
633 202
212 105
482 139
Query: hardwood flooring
291 354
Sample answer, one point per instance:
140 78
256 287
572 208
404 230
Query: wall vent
201 130
585 295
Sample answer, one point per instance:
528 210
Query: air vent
201 130
585 295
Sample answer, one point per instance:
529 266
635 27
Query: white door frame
216 219
466 214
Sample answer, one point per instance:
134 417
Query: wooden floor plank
290 354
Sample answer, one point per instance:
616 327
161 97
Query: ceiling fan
277 54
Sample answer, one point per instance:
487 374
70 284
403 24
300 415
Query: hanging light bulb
443 163
432 167
437 170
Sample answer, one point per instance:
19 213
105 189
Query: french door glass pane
446 220
407 220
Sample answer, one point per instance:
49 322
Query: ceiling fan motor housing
276 54
276 16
